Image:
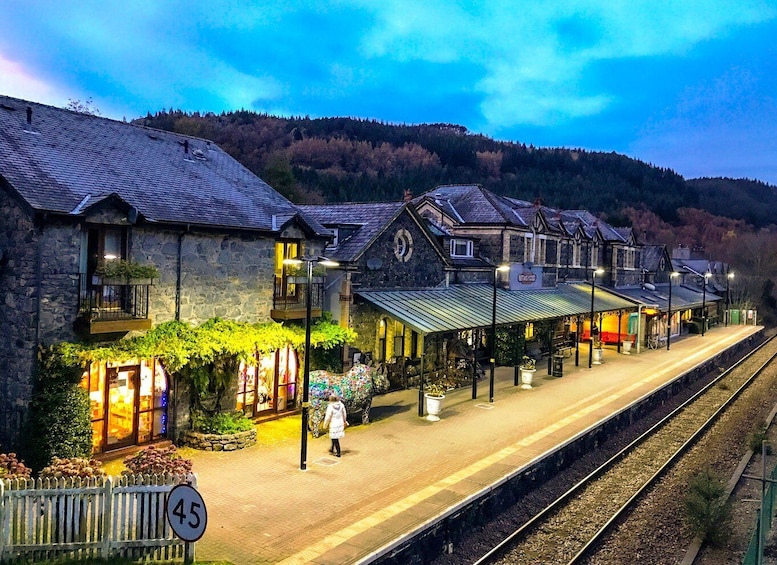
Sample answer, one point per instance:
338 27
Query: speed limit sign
186 512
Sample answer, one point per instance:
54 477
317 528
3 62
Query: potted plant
528 367
598 353
434 395
121 271
297 274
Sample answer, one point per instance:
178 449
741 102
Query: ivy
207 356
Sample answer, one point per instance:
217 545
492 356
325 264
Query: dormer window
461 248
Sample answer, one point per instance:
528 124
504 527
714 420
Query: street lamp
502 269
729 276
669 312
704 303
323 261
591 332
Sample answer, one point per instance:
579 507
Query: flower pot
627 347
527 375
433 407
598 352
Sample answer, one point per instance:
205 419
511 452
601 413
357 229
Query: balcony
112 305
289 298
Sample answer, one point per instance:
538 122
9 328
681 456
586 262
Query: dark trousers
335 446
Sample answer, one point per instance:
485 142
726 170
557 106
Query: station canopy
460 307
657 296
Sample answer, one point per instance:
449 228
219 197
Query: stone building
81 195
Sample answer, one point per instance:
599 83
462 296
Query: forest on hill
343 159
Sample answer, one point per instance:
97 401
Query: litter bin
558 366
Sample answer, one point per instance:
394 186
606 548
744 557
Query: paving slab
401 471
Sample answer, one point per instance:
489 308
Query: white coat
335 419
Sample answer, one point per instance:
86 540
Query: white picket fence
86 518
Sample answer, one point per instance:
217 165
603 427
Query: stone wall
219 442
222 275
425 268
19 240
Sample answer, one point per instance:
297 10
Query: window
461 248
539 252
102 244
576 253
285 250
403 245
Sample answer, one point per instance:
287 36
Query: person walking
336 422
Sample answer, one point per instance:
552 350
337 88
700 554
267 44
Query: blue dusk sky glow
690 85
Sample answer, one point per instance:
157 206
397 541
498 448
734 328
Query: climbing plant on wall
207 357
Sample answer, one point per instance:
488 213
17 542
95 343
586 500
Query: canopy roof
459 307
683 297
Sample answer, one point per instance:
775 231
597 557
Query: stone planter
527 376
433 407
598 353
627 347
219 442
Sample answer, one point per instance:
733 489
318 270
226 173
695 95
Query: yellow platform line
331 541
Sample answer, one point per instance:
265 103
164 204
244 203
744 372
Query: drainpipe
178 274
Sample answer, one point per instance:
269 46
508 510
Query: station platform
402 471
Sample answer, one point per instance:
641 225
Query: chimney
408 195
29 115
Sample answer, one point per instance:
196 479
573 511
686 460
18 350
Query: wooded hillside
341 159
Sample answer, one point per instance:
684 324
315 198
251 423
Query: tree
86 107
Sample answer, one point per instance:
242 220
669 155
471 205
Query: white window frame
467 243
540 250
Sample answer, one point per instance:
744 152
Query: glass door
121 405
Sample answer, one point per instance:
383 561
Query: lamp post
729 276
303 455
497 270
704 304
593 287
669 312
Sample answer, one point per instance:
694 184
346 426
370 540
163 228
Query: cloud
537 56
18 82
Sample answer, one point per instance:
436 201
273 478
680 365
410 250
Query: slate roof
371 218
429 311
472 204
651 256
63 162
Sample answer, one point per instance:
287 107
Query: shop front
269 384
128 403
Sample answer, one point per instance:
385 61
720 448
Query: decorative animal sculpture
355 388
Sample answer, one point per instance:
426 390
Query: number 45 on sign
186 513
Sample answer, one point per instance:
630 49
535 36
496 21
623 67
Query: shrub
12 468
154 460
757 437
72 467
221 423
59 424
706 510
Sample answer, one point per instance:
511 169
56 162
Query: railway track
570 529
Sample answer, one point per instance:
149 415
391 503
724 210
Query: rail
584 549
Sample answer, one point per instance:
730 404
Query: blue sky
690 85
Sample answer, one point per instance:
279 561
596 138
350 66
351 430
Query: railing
101 300
104 518
291 295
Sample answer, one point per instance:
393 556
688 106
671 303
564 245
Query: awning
683 297
460 307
